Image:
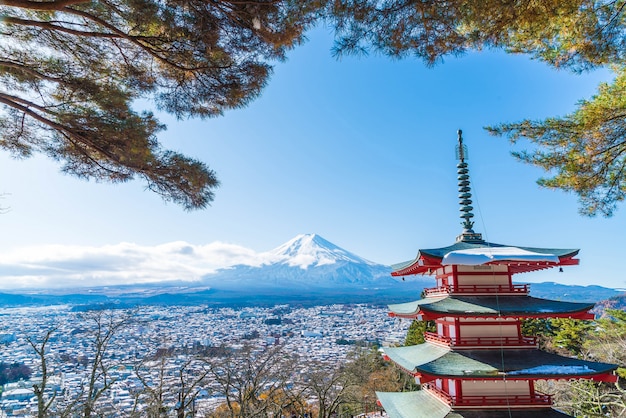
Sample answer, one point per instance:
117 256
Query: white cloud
125 263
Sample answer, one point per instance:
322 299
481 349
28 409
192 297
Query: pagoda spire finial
465 194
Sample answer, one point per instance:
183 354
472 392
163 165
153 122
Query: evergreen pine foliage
415 334
71 72
570 334
584 152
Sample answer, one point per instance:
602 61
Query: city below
323 334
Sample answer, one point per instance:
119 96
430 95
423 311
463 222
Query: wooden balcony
536 400
516 401
479 289
483 342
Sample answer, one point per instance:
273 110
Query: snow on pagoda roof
481 252
489 306
432 360
484 255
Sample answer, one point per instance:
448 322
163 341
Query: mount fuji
307 270
308 261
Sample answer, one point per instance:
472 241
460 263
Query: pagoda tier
426 404
479 252
428 362
489 307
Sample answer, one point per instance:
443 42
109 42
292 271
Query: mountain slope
312 250
307 261
572 293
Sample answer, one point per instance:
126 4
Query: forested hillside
615 302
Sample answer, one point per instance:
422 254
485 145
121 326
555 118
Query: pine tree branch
41 5
28 69
136 41
57 28
79 141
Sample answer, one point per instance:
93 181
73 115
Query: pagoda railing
443 396
480 341
478 288
437 339
538 399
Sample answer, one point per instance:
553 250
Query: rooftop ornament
465 195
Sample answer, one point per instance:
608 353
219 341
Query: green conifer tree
415 334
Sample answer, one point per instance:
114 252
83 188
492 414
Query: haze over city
358 150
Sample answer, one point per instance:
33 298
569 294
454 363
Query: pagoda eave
412 372
430 362
426 404
427 265
424 315
423 377
507 306
421 265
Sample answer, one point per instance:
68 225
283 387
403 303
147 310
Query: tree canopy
71 70
584 152
415 333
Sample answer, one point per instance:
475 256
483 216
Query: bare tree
252 380
152 396
43 404
104 325
291 400
329 385
190 380
169 384
46 403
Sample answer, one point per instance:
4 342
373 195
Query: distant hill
615 302
41 299
307 270
572 293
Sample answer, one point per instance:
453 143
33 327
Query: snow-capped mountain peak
312 250
307 261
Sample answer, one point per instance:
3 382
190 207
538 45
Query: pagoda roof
479 252
422 404
489 306
509 413
416 404
435 361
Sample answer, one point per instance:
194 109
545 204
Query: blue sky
359 150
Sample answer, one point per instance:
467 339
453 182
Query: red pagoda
478 363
